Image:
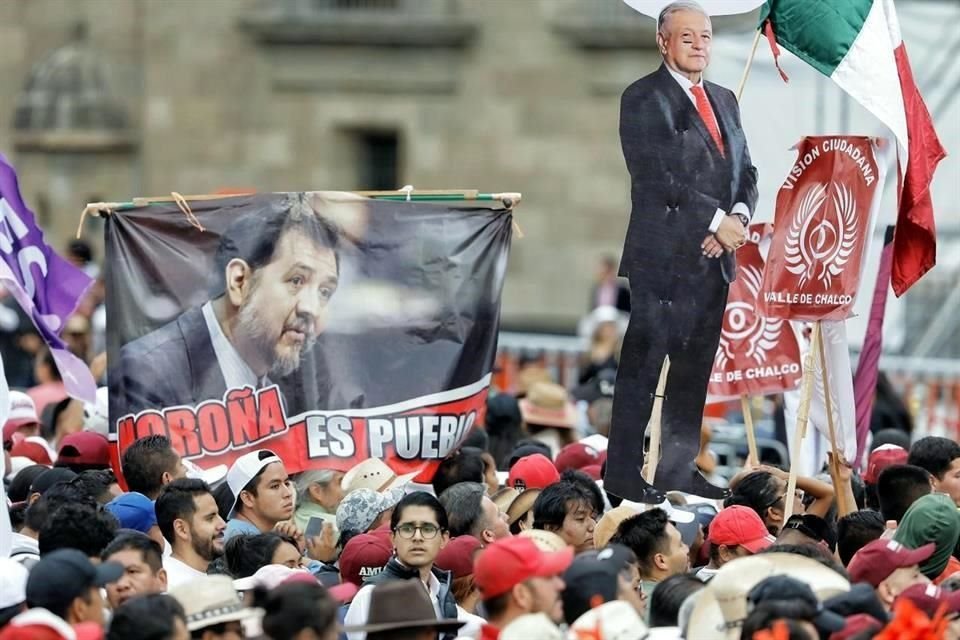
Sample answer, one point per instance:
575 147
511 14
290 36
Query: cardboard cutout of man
276 273
693 190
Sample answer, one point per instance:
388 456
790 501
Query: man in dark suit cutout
276 272
693 191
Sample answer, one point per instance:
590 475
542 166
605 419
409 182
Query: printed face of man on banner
273 313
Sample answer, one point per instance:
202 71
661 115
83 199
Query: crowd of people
514 538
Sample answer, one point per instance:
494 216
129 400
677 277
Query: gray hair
463 503
307 479
676 6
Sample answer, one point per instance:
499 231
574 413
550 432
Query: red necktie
706 112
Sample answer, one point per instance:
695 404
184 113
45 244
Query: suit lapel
206 380
681 101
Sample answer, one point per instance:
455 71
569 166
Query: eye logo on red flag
744 330
819 247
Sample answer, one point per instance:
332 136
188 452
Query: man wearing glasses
419 530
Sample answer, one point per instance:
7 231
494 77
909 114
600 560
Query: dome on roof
66 103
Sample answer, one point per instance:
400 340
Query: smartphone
314 527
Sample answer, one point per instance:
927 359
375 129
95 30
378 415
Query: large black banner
322 325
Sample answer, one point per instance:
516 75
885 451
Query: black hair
526 448
496 606
18 516
46 358
463 504
476 439
146 617
758 490
645 534
177 501
20 486
144 463
859 487
292 608
245 554
668 596
419 499
585 482
814 527
59 494
898 487
855 530
890 436
553 503
78 526
255 237
150 551
460 466
253 487
504 427
812 551
791 612
81 250
97 483
935 454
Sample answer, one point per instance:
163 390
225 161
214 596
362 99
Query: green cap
932 518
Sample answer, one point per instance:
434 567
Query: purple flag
868 368
47 287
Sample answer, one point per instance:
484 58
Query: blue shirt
236 527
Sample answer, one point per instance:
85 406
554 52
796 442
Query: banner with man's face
326 327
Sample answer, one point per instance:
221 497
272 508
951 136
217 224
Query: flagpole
842 507
803 415
746 69
752 455
653 456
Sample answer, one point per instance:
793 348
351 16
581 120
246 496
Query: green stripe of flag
820 32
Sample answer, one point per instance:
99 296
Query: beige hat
614 620
373 473
608 524
722 605
532 625
520 507
548 404
210 600
546 540
504 497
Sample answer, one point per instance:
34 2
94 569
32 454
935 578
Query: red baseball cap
929 598
510 561
33 449
457 556
363 556
878 559
594 471
533 472
856 625
85 447
882 457
740 526
577 456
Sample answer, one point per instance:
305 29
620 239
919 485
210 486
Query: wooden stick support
841 496
803 415
746 69
753 457
653 427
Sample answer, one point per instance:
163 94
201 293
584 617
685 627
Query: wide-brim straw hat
211 600
522 505
374 473
722 605
547 404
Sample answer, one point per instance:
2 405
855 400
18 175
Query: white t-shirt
179 572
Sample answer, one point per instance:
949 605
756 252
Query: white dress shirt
687 85
179 572
236 372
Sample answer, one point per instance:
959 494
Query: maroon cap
577 456
882 457
363 556
457 556
85 447
930 597
510 561
741 527
594 471
31 448
533 472
878 559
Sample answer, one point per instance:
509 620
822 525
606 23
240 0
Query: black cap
64 575
51 477
599 386
503 412
814 527
785 588
591 576
862 598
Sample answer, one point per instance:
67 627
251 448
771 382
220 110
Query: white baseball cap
22 412
673 514
246 468
212 476
13 583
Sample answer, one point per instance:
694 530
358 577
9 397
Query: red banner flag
757 355
825 213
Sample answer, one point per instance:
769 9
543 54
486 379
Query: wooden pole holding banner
653 456
803 414
753 457
842 507
746 69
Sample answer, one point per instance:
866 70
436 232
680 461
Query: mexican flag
857 44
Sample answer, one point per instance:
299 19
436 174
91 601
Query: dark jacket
678 176
394 570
